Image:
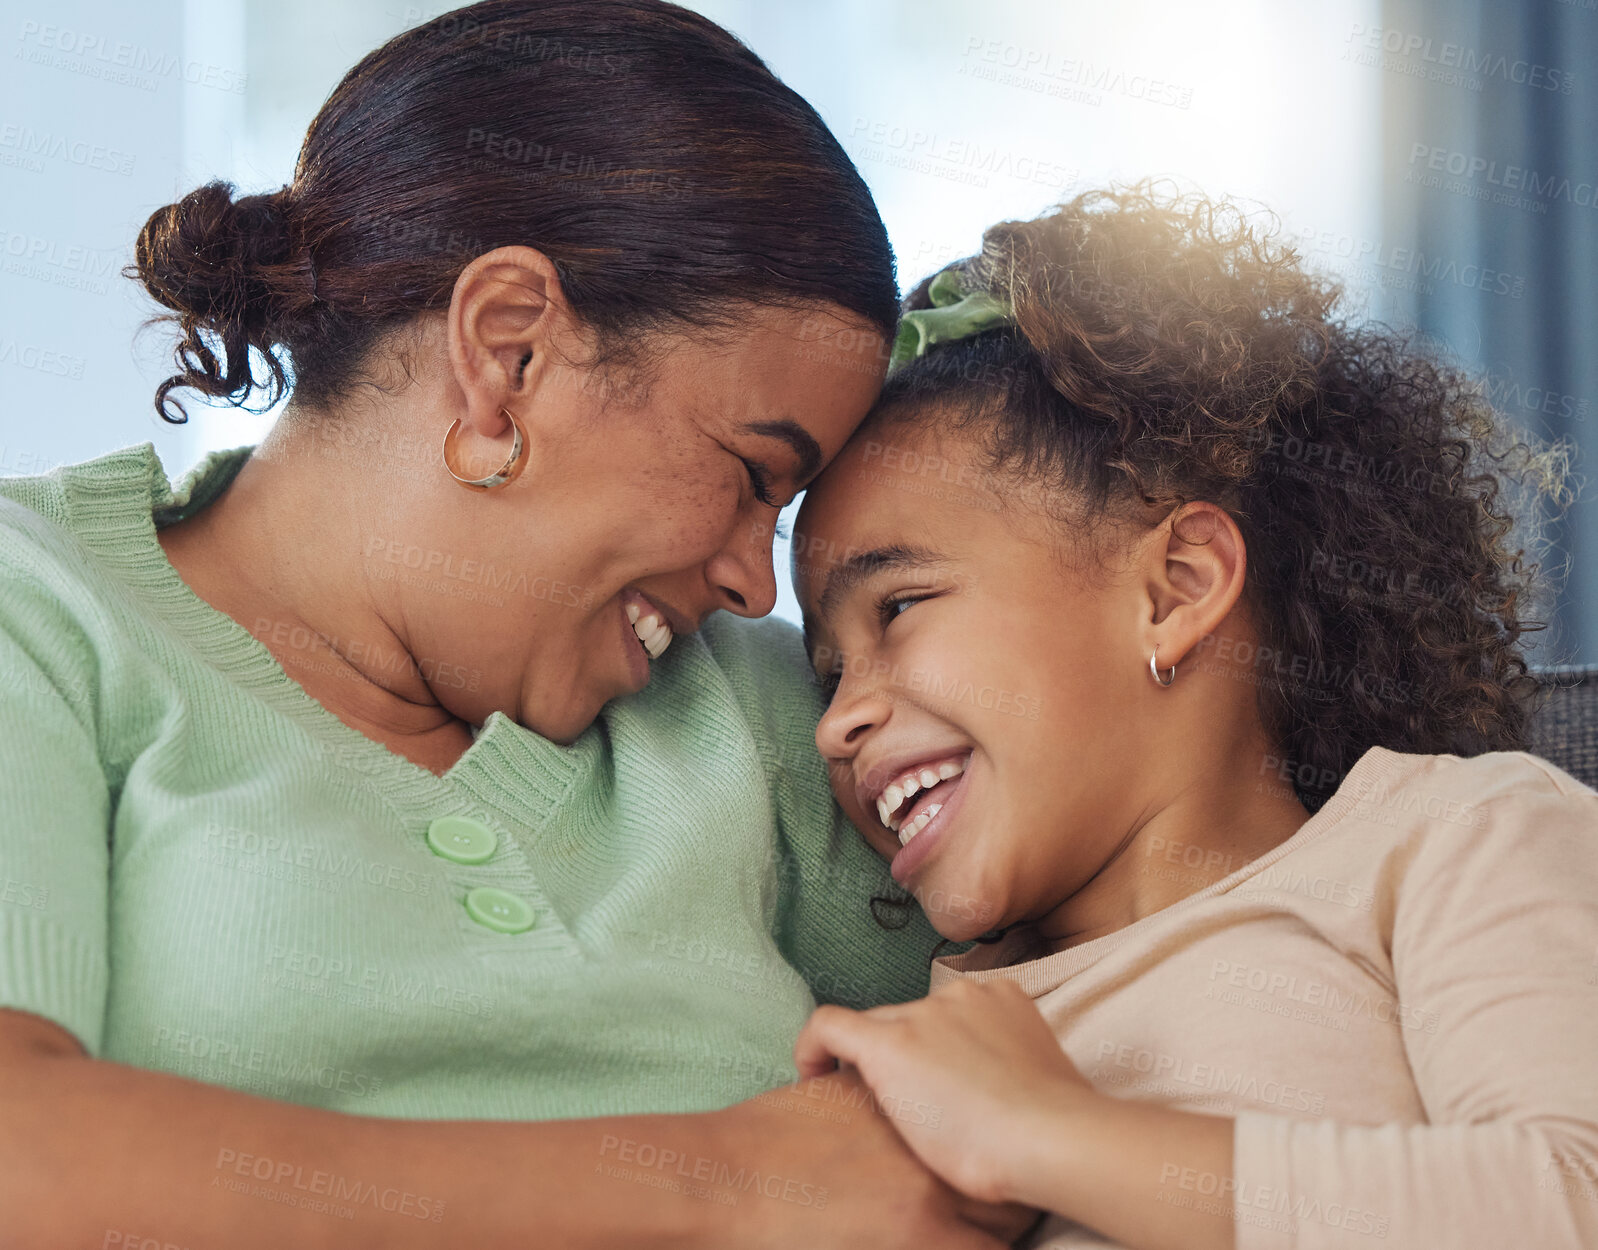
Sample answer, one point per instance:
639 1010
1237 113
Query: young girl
1173 625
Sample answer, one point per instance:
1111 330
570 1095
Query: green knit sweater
204 871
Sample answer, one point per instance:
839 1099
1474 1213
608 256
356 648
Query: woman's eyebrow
851 572
798 440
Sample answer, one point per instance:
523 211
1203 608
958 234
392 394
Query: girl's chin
958 915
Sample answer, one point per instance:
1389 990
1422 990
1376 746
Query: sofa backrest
1565 729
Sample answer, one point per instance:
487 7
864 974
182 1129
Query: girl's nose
854 712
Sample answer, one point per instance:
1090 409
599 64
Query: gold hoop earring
1165 681
507 472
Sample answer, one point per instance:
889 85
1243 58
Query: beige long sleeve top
1398 1005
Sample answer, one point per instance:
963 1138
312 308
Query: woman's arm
99 1154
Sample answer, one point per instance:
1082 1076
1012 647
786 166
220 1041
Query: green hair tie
951 317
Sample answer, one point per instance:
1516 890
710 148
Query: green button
499 910
461 839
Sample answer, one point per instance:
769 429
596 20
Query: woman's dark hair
1166 350
654 158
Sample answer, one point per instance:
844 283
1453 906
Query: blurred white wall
958 114
93 103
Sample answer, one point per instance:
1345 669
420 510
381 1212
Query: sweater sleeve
1495 955
826 874
54 817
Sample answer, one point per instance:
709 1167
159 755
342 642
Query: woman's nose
741 573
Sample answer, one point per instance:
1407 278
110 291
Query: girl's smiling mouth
919 804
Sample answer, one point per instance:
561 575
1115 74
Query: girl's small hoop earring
507 472
1166 681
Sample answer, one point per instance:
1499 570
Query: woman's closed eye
760 483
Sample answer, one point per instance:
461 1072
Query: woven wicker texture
1565 731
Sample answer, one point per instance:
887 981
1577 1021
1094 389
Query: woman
380 770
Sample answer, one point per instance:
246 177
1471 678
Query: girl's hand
971 1077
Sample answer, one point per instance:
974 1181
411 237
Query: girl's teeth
915 826
908 787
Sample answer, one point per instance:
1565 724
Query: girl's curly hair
1166 349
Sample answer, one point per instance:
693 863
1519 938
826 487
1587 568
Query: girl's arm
99 1154
1495 961
978 1086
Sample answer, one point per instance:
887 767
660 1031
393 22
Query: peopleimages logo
1511 178
1407 267
672 1168
964 160
314 1189
1470 63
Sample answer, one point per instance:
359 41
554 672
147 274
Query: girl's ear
1196 564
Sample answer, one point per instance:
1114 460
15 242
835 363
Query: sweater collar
115 505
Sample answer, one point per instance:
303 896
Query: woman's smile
648 629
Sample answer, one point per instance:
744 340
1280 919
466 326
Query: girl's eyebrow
896 557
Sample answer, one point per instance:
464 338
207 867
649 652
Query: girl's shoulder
1436 833
1412 840
1461 791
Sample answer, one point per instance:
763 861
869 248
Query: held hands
867 1188
986 1076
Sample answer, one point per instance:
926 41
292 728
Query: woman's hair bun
226 267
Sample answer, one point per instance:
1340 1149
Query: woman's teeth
653 632
906 787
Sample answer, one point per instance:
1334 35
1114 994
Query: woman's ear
1194 574
508 323
505 315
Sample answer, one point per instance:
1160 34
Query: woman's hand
822 1166
971 1077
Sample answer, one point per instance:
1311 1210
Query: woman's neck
273 552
